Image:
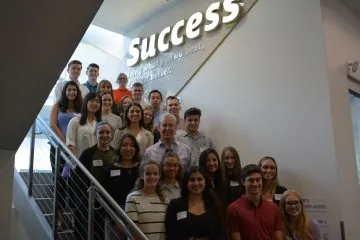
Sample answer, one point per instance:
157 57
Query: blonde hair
274 181
303 228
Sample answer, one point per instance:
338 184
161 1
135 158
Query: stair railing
94 213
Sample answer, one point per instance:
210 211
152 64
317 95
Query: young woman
107 115
149 117
122 105
272 191
134 124
80 132
95 159
62 112
146 206
210 162
198 214
105 86
296 225
122 91
170 175
120 177
231 165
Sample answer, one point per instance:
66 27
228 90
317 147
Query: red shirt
254 223
119 93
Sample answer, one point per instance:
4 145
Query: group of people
163 172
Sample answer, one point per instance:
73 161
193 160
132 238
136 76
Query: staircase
43 194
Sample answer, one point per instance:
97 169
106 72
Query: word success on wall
142 49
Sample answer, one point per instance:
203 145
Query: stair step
66 217
38 178
43 190
66 235
45 205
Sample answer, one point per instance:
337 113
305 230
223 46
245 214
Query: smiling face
212 163
173 107
151 175
74 71
105 87
148 116
229 159
71 92
92 73
293 205
268 169
126 102
122 80
196 184
127 149
171 167
103 134
167 129
93 105
107 102
134 114
253 184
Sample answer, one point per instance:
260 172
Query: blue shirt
90 87
157 151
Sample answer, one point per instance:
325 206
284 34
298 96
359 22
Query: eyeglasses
293 203
121 78
169 165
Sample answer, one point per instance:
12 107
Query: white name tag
277 197
98 163
114 173
234 184
181 215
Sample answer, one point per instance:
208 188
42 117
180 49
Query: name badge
277 197
181 215
114 173
98 163
234 184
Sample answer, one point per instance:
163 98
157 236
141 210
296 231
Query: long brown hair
303 228
236 176
274 181
150 125
140 183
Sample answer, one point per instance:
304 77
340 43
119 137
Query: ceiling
124 16
354 5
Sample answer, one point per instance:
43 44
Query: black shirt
119 181
180 224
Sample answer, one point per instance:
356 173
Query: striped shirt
148 212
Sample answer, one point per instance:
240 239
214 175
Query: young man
167 141
197 141
92 72
137 91
122 91
74 69
173 107
251 217
155 99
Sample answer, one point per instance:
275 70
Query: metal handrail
49 133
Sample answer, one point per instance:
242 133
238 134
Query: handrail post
56 192
31 162
342 230
91 215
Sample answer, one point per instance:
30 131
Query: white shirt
80 136
60 85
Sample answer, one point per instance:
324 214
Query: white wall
18 231
342 41
265 91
